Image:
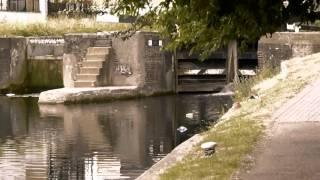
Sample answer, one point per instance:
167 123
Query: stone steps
89 70
83 84
98 50
92 66
96 57
103 42
87 77
97 64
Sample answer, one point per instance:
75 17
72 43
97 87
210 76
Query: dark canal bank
115 140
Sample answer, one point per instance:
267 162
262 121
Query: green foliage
204 26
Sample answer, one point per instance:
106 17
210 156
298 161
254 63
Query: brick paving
292 152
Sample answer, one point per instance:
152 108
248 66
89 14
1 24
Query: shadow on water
116 140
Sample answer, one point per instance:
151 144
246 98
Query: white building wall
43 6
4 4
26 17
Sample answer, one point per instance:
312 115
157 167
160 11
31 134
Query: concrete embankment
76 95
32 64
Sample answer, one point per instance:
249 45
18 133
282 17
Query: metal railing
68 8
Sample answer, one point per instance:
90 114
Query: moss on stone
45 74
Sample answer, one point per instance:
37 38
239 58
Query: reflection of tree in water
64 161
140 132
160 122
5 122
81 147
24 139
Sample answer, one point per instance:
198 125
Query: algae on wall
44 74
12 62
21 73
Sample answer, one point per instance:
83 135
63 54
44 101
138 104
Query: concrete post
232 62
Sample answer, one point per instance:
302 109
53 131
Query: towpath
292 151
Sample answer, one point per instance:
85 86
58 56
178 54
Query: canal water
115 140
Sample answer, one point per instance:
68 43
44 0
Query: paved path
292 152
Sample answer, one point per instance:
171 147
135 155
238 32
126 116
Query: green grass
244 89
58 27
234 139
317 23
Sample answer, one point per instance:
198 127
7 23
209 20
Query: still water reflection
116 140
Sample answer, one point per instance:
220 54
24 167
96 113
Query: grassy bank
58 27
245 89
240 129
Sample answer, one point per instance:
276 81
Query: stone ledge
77 95
175 156
48 57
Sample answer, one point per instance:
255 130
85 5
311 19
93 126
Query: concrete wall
30 64
137 61
13 63
48 46
44 74
140 61
39 63
286 45
44 57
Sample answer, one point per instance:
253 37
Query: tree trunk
232 62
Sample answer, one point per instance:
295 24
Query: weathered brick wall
285 45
